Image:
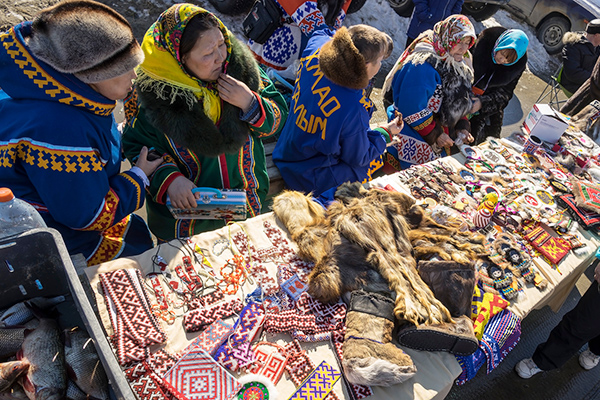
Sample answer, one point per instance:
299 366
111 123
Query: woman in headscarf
499 59
203 102
430 85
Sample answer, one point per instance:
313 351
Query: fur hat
593 27
85 38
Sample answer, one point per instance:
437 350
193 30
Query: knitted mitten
369 356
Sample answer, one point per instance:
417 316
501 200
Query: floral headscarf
444 36
162 67
449 32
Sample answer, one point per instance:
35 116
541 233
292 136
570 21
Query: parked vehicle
550 18
553 18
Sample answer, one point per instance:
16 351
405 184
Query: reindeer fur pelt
362 236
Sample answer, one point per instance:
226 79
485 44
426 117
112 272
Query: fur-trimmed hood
574 37
192 128
484 65
342 63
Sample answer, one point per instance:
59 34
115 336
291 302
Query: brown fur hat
85 38
342 63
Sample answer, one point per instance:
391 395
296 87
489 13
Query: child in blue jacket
326 140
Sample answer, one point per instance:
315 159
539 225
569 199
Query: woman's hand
476 105
235 92
147 166
180 193
444 140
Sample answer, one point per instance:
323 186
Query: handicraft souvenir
492 156
196 376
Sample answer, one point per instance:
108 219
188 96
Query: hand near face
180 193
235 92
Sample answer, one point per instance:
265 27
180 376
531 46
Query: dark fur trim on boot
456 338
452 283
369 357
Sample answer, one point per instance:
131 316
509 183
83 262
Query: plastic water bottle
16 215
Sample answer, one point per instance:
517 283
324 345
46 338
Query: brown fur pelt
451 282
432 240
363 235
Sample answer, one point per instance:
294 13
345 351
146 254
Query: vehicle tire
479 11
551 31
355 6
403 8
232 7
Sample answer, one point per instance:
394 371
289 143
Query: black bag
263 19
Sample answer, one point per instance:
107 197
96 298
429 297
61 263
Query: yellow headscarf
162 68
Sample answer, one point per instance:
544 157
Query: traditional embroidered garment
288 41
431 90
60 151
326 140
209 143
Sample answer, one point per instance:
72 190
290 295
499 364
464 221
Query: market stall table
437 371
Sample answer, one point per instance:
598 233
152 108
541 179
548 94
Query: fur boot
452 283
454 337
369 356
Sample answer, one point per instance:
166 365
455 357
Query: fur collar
574 37
456 89
484 65
190 127
341 62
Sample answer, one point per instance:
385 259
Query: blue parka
326 140
60 151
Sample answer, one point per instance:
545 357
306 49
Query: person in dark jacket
579 56
499 59
427 12
587 92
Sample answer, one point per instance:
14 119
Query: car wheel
403 8
232 7
551 31
479 11
355 6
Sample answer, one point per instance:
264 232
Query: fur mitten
369 356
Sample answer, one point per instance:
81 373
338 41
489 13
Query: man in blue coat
427 12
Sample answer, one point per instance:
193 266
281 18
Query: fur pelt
342 63
359 235
456 92
452 283
192 128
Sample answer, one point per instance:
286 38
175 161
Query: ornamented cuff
253 114
141 174
425 128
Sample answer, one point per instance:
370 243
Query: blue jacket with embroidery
416 94
60 151
326 140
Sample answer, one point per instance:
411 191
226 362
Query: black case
264 18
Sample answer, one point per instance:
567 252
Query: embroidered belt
129 310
